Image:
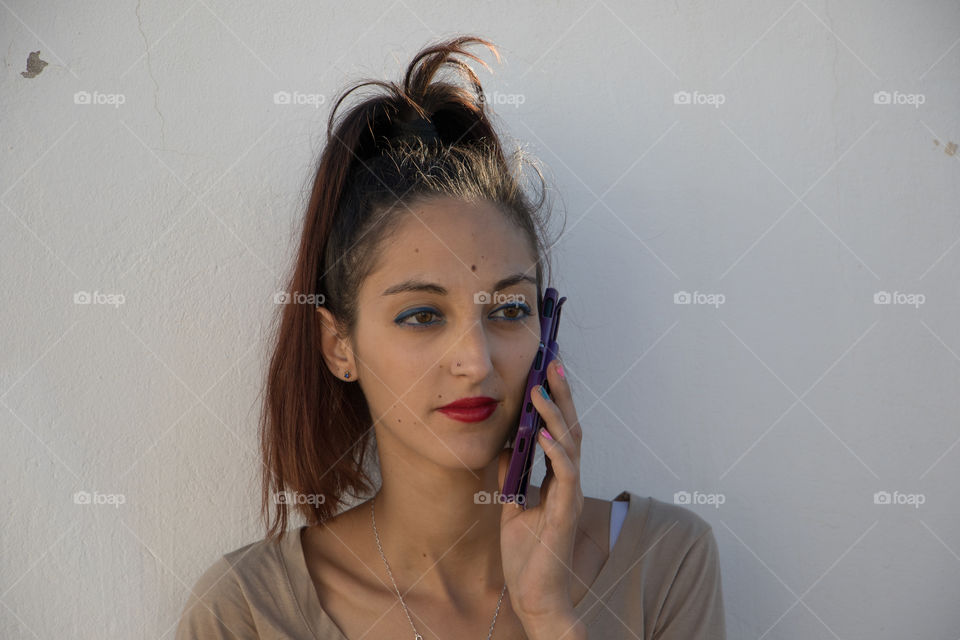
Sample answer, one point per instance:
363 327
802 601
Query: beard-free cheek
395 414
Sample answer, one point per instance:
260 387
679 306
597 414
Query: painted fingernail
560 370
545 433
543 392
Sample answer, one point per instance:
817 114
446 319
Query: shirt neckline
321 625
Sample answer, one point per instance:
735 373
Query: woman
426 254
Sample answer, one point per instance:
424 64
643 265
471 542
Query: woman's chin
475 451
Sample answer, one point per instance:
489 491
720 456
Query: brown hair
425 138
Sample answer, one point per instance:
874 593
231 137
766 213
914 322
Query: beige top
661 581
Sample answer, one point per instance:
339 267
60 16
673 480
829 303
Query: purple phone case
525 442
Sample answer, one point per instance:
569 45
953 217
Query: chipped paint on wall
34 65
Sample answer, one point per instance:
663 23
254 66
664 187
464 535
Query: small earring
346 375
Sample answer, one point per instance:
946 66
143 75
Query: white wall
798 199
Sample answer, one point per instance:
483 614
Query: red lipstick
473 409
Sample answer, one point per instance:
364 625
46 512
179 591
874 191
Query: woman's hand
536 543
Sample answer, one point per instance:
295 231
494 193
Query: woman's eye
419 315
514 312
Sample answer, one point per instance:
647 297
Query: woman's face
434 327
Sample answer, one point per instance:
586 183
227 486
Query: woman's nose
471 353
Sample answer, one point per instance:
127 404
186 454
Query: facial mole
473 267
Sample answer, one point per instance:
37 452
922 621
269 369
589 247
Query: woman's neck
435 533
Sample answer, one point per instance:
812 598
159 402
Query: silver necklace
416 634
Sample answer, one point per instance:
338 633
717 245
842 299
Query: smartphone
525 442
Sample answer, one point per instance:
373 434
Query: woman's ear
337 351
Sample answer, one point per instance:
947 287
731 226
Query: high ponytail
423 138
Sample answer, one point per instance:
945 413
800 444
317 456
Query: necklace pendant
418 637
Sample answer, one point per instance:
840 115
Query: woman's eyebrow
431 287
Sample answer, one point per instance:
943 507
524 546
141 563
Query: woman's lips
470 414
